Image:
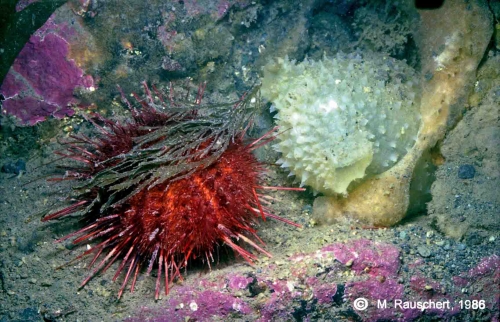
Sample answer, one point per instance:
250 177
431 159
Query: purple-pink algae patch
317 281
324 293
366 256
377 293
239 282
42 79
187 303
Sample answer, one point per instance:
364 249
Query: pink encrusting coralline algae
330 280
42 80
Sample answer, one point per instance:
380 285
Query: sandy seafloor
457 231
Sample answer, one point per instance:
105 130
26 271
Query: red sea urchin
152 198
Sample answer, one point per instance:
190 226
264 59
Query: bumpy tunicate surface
342 118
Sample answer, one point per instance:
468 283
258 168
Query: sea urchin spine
167 224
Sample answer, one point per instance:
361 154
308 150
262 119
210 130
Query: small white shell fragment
193 306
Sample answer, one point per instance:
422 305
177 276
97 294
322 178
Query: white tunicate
343 118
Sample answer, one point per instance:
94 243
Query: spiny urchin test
170 186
